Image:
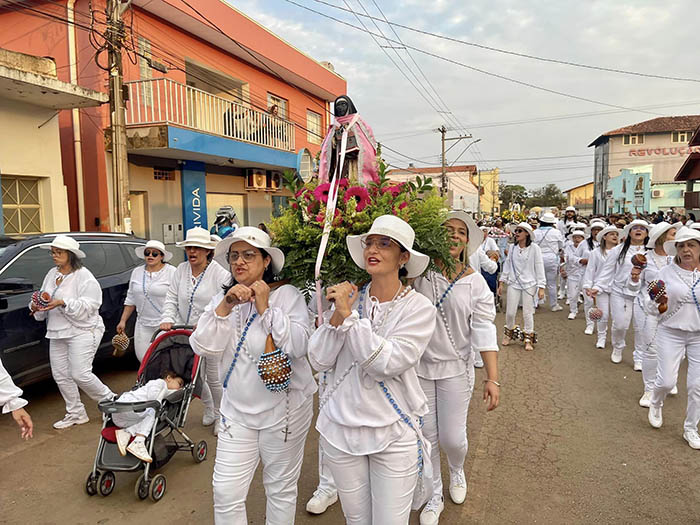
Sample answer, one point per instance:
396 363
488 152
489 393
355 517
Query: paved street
569 444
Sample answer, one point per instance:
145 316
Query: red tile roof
655 125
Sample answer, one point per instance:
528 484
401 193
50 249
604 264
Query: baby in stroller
139 424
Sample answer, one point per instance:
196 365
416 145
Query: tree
508 194
549 195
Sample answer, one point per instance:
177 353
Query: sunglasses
382 243
151 253
249 256
519 230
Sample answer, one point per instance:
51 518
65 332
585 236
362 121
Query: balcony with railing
164 101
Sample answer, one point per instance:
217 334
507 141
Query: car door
23 344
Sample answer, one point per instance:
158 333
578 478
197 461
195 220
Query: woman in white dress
194 283
524 274
259 421
466 312
678 331
147 289
74 328
369 417
585 250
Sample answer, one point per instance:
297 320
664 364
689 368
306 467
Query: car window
103 258
33 265
131 256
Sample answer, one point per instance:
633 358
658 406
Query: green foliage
546 196
511 194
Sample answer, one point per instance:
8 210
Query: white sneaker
430 515
458 486
674 390
557 308
209 418
320 501
693 439
656 417
645 400
616 356
123 438
571 316
69 421
588 330
637 366
138 449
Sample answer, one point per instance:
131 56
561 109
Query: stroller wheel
106 482
199 452
157 487
91 484
141 488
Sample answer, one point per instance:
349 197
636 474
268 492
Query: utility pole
443 178
120 164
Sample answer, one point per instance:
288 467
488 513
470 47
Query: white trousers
238 452
603 302
213 389
376 489
71 367
513 297
142 338
446 421
551 272
624 309
326 484
136 423
649 353
671 345
587 305
573 289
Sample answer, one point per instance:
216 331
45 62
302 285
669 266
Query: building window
279 203
680 137
274 100
20 205
313 127
163 174
631 140
145 71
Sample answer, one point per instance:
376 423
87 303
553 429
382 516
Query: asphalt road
569 444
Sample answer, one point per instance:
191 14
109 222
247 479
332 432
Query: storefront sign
194 195
649 152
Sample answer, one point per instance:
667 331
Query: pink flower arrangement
321 192
399 207
361 196
394 189
337 219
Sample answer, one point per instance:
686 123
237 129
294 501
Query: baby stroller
168 351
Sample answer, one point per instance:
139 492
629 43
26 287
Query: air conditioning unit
256 179
274 181
657 194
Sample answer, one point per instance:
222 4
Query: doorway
138 204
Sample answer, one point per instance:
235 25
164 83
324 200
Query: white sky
644 36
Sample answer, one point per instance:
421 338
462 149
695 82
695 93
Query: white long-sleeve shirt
182 291
550 241
524 268
489 245
683 313
480 261
10 399
596 260
572 260
147 291
470 312
615 275
356 416
246 399
83 297
154 390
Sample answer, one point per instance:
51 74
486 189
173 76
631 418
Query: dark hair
528 239
403 272
74 261
591 246
268 274
626 247
171 373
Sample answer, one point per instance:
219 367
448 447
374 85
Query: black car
24 349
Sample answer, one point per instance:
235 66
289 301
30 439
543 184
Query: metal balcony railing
164 101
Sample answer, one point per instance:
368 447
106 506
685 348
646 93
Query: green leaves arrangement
298 230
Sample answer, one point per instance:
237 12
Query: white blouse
154 390
524 268
386 345
480 261
147 291
550 241
683 312
188 296
572 260
615 276
83 297
596 260
246 399
10 399
469 312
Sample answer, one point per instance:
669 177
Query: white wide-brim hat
684 234
548 218
401 232
64 242
153 244
525 226
474 233
595 223
577 231
198 237
657 231
636 222
694 226
255 237
608 229
570 208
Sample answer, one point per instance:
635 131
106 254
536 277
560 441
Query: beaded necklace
145 290
441 308
692 285
198 281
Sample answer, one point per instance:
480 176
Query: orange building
199 133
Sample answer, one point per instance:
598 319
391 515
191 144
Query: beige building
660 143
33 192
487 181
581 197
462 192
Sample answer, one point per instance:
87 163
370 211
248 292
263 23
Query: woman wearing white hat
574 268
657 258
258 420
615 279
147 288
585 250
678 330
194 283
607 239
551 244
466 312
74 328
369 417
524 274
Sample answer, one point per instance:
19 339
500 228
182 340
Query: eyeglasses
151 253
248 256
382 243
519 230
